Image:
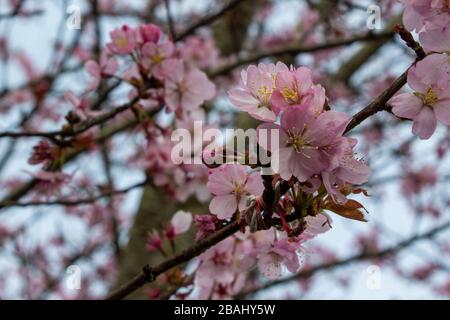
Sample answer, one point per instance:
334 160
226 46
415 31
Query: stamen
289 95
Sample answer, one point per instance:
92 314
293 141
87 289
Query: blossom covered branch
254 198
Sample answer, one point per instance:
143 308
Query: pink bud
149 33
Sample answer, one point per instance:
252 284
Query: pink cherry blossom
426 13
282 253
206 225
108 67
81 106
157 158
123 40
191 180
431 19
437 40
42 153
316 225
307 145
350 171
202 52
294 88
216 267
429 102
232 185
187 88
148 33
255 90
275 254
154 242
181 222
154 54
51 183
417 180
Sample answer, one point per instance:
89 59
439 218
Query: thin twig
297 49
78 129
170 20
208 19
380 103
75 202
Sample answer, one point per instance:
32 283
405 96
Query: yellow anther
297 143
430 98
239 188
289 95
122 42
157 58
264 93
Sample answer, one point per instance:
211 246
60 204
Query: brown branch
380 103
208 20
298 49
75 202
109 132
78 129
408 38
17 12
54 282
149 274
170 20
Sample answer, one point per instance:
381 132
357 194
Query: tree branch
75 202
208 20
298 49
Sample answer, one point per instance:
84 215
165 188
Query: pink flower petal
424 123
223 206
254 184
219 183
406 105
442 111
181 221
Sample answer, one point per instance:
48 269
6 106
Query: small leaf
349 210
361 190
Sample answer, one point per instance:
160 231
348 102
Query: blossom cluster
311 147
222 269
184 87
430 78
162 76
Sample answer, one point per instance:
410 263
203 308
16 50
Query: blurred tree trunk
156 209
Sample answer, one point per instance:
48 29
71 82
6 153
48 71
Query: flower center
157 58
122 42
220 258
430 98
289 95
264 95
297 142
183 87
239 188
